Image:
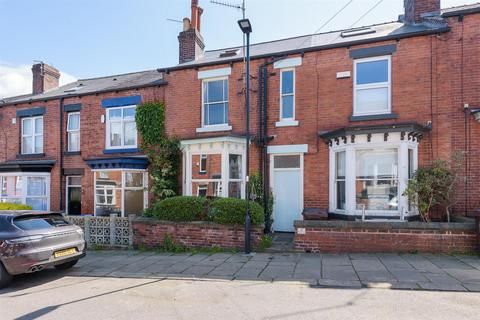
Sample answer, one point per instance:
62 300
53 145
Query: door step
282 242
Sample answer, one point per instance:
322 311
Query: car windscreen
39 222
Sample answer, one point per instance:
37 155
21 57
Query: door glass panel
74 200
286 162
133 202
133 179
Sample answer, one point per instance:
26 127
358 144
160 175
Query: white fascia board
289 148
288 63
214 73
230 139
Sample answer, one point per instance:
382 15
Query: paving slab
339 273
336 260
408 275
376 276
441 286
198 271
277 272
368 265
441 278
339 283
474 287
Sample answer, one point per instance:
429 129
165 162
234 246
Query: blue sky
91 38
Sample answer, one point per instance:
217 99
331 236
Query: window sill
384 116
30 155
126 150
214 128
71 153
286 123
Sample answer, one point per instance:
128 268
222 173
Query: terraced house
340 120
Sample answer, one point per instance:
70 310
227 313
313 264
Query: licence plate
64 253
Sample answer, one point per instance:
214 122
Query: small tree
163 153
435 186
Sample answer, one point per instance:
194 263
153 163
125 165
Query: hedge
180 209
232 211
14 206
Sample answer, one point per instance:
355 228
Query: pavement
407 271
133 285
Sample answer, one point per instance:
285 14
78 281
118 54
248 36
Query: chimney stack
415 9
45 77
190 40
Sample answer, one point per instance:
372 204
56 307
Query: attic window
229 53
75 88
357 32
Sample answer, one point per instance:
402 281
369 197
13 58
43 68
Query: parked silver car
31 242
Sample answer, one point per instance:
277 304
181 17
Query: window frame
293 94
203 103
69 131
376 85
122 188
24 186
203 157
122 125
33 135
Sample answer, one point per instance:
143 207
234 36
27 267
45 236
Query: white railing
105 231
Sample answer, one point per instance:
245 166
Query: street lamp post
246 28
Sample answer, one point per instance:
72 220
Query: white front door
287 191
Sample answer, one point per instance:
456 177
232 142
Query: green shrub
232 211
181 209
14 206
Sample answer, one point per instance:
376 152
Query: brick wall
369 237
151 234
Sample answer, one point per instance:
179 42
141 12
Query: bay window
32 135
120 192
26 188
370 173
372 86
121 128
73 132
214 167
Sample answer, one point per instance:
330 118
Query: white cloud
17 80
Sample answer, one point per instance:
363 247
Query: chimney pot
186 24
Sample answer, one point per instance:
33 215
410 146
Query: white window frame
25 175
350 158
122 123
336 180
282 119
67 186
202 158
123 188
376 85
214 127
33 135
69 131
201 187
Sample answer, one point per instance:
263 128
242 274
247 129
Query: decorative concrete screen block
106 231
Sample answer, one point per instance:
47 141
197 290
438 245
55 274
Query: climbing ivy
163 152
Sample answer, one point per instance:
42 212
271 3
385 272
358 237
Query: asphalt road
54 295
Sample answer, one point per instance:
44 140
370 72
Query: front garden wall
380 237
150 233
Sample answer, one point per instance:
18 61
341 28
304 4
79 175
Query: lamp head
245 26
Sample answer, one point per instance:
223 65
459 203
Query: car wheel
66 265
5 277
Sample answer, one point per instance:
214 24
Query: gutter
310 49
78 95
462 12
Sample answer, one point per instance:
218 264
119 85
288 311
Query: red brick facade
433 77
151 234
